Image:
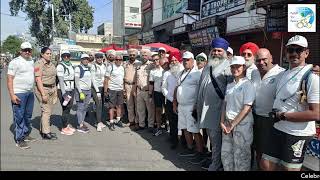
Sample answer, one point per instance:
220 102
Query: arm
312 114
94 83
61 83
243 113
77 79
38 78
13 97
164 87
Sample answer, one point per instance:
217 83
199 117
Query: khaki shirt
47 71
143 72
130 72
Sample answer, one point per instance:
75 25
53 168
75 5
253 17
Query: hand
15 99
316 69
44 98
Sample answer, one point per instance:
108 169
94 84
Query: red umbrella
159 45
113 46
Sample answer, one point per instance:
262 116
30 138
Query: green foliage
39 12
11 45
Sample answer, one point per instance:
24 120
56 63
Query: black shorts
262 128
286 149
115 98
158 99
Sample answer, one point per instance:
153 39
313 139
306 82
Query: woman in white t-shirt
237 120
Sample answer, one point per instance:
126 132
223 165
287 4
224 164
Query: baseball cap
202 55
187 55
230 50
26 45
65 52
162 49
237 60
84 56
298 40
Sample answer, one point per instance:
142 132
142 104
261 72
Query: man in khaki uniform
46 91
144 99
130 68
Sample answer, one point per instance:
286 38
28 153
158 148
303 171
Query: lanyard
181 81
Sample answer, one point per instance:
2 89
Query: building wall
157 11
118 15
132 13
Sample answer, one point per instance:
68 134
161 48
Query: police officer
46 92
143 100
65 75
98 70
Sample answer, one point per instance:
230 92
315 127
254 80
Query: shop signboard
211 8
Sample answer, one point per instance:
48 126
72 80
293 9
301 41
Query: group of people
244 105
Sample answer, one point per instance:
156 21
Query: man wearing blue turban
212 86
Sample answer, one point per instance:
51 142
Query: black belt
132 83
49 85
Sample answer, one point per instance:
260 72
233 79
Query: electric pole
52 14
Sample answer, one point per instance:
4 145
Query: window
134 10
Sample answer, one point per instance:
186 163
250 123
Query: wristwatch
283 116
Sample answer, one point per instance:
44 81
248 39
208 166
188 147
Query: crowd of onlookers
226 109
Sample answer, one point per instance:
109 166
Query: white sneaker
102 125
99 127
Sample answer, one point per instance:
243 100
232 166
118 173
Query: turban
111 52
175 54
220 43
252 46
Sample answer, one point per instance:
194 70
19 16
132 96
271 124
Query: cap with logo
237 60
203 55
298 40
26 45
84 56
187 55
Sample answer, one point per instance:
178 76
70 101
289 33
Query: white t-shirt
85 82
98 72
252 73
23 72
156 77
287 100
68 76
169 83
116 74
238 95
266 91
188 89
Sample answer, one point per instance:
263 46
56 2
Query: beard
215 61
175 69
249 63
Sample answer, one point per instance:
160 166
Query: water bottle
66 101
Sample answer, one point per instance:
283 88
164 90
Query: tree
39 12
11 45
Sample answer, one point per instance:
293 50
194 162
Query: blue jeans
22 114
82 105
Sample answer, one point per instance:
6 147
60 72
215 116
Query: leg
45 118
199 142
216 140
130 103
151 109
28 113
227 155
98 102
119 105
173 123
141 108
18 118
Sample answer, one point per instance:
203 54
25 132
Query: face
132 56
162 53
91 58
66 57
201 62
47 55
188 63
248 56
26 53
99 58
237 70
296 54
111 57
85 61
156 60
217 52
174 61
263 61
118 60
229 55
145 57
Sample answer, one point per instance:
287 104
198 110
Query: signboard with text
203 37
211 8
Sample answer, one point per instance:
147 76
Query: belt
141 89
130 83
49 85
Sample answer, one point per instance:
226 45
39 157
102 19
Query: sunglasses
27 50
66 56
246 54
118 59
298 50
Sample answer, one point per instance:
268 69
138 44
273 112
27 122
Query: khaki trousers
143 103
131 104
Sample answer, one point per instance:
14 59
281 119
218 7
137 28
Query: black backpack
82 71
65 69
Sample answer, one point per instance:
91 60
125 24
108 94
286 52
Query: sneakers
100 126
23 145
29 139
71 128
111 127
158 132
188 153
200 158
66 131
205 165
119 124
83 129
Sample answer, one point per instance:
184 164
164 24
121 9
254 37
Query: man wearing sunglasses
295 109
201 61
20 82
248 51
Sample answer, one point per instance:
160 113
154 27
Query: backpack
82 71
303 86
64 71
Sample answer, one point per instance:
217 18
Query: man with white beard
249 51
212 87
169 83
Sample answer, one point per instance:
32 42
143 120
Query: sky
16 25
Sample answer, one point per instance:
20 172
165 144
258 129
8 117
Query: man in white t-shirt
113 88
20 82
296 108
83 81
265 89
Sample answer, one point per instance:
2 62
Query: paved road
122 149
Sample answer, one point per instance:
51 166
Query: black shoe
49 136
23 145
120 124
139 128
111 127
29 139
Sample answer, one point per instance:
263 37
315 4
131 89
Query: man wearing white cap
201 61
237 120
162 52
83 81
20 82
111 54
185 98
295 110
230 53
